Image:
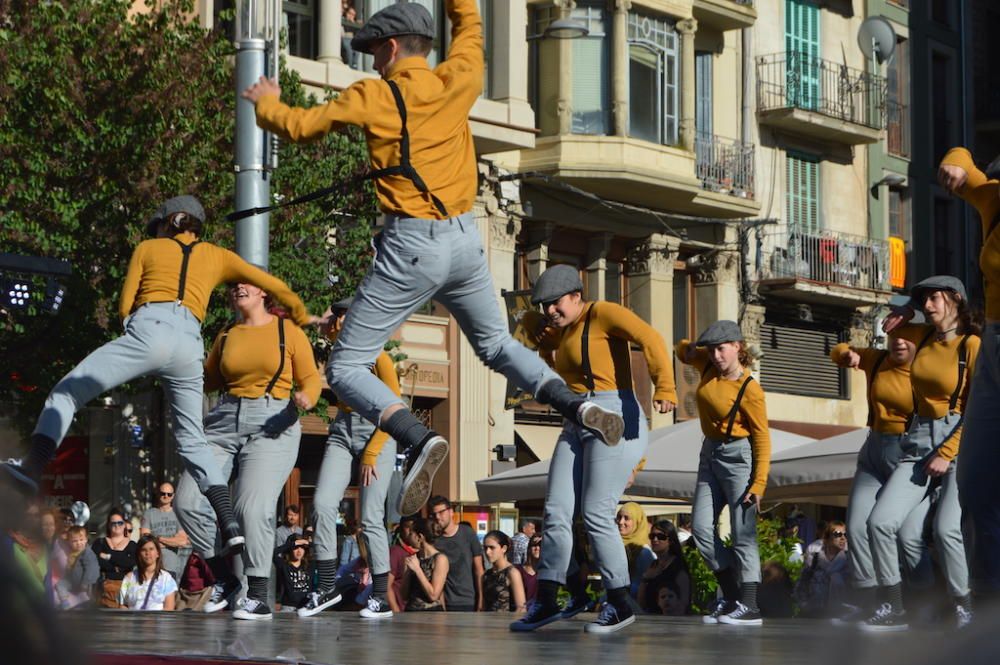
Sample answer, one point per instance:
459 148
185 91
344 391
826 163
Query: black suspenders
281 354
182 282
588 374
405 167
871 384
962 363
731 417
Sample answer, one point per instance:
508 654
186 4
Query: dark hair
438 500
139 573
674 542
414 45
292 537
422 527
503 540
115 510
970 321
179 222
292 508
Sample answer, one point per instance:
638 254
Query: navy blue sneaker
539 614
611 619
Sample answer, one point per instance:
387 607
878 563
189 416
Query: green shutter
802 53
802 191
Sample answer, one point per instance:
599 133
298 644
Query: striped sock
43 449
222 504
257 588
327 569
748 594
894 596
380 584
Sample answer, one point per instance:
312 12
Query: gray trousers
910 488
349 433
980 460
587 478
238 436
418 260
877 459
723 478
161 340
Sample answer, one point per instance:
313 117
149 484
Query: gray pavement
336 638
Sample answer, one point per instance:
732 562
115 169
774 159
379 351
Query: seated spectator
634 529
825 576
503 590
295 578
774 597
115 556
668 570
76 588
528 569
354 579
426 571
51 525
195 585
397 563
349 550
148 587
289 525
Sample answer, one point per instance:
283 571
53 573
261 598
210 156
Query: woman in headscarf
634 529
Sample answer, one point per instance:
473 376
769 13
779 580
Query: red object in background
65 478
828 250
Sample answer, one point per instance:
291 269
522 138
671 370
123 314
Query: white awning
540 439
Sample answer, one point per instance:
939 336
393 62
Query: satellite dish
877 39
81 513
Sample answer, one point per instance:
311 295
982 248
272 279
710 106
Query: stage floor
336 638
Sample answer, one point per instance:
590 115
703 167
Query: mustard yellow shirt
934 375
612 329
984 195
245 364
155 268
437 102
715 397
891 394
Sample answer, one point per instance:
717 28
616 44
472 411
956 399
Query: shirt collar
414 62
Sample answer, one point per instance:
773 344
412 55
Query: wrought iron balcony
833 266
725 166
820 97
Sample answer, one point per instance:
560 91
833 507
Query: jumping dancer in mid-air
169 282
591 343
265 369
416 123
732 470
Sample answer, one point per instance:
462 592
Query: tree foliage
105 111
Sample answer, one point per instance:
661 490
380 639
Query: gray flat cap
342 304
185 203
935 283
720 332
556 282
407 18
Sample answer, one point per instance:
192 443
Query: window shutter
802 191
797 360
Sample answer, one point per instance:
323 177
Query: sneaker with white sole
611 619
377 608
222 594
252 609
885 620
539 614
319 601
416 487
742 616
963 617
604 423
719 608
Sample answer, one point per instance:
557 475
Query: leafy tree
104 113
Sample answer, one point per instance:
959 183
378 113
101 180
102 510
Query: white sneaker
377 608
252 609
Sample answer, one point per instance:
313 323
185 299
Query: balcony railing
724 165
797 80
897 126
825 257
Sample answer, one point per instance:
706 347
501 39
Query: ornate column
687 28
597 265
539 235
565 97
329 31
753 319
619 66
650 265
716 281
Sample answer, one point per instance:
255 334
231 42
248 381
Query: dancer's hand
899 316
663 405
952 178
937 466
751 499
302 401
853 358
368 474
263 86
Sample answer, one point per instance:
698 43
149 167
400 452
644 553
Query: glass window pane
644 116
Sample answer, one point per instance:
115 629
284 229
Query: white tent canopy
822 469
671 467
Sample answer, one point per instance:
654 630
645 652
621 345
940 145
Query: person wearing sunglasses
162 522
116 556
668 571
825 573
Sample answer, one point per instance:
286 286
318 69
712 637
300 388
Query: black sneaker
718 608
252 609
606 424
539 614
222 594
377 608
611 619
885 620
576 605
416 487
742 616
319 601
